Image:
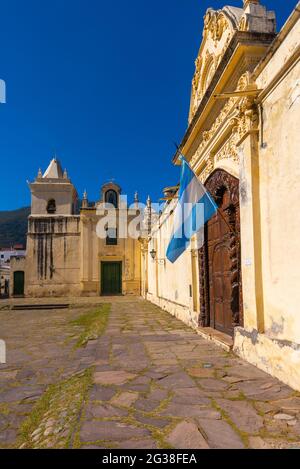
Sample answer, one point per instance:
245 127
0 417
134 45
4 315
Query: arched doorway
219 258
19 279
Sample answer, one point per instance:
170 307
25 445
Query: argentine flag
195 207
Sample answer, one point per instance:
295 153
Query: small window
111 238
111 197
51 206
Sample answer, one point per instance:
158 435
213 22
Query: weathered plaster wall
279 195
171 286
276 346
53 261
262 149
62 193
278 358
94 250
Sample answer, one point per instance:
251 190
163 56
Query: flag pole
222 216
218 210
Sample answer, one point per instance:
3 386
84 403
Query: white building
6 254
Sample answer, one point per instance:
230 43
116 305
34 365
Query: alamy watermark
136 221
2 92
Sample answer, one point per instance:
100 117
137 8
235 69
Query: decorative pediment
216 22
219 28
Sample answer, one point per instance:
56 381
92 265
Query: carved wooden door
218 243
220 276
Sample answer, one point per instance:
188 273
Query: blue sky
105 84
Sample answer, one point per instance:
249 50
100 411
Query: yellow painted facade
244 121
244 125
276 347
64 250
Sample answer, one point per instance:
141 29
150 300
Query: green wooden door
111 278
19 283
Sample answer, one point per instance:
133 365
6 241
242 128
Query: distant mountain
13 227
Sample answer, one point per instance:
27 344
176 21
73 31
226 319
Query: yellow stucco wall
279 195
94 250
64 256
52 258
255 137
275 347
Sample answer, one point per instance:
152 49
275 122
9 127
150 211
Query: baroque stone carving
219 28
207 135
217 180
195 83
215 24
244 120
209 167
248 118
217 33
244 23
244 82
228 151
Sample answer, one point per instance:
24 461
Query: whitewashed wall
172 286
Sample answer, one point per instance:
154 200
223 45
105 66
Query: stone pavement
39 352
156 384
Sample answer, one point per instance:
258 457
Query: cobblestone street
155 384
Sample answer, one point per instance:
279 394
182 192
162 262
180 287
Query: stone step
40 306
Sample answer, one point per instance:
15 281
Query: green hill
13 227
